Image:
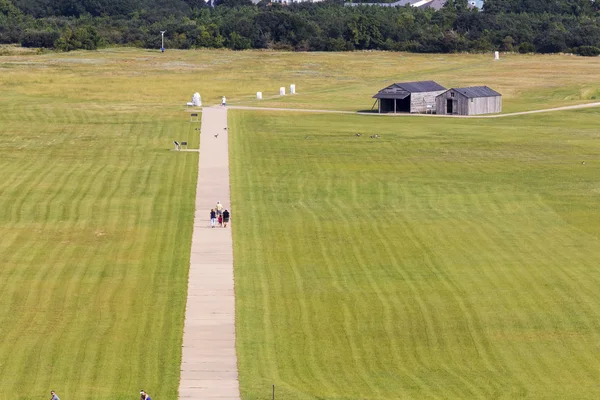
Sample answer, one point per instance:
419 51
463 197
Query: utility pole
162 47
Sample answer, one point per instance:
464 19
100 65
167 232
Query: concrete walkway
209 362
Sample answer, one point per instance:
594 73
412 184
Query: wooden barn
409 97
472 100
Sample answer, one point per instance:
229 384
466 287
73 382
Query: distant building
472 100
436 4
289 1
409 97
476 4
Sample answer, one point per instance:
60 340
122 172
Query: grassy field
448 259
337 81
95 228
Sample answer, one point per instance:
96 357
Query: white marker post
496 55
292 89
258 95
282 91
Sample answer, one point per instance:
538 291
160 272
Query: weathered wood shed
410 97
472 100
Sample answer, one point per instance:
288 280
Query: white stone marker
292 89
282 91
496 55
258 95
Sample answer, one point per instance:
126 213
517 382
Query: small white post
258 95
496 55
282 91
292 89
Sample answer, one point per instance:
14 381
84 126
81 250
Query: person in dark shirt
225 218
144 395
213 218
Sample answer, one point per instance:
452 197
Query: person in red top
220 220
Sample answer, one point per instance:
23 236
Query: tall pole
162 34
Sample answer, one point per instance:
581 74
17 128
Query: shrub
39 39
526 47
587 51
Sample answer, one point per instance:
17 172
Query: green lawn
448 259
335 81
95 229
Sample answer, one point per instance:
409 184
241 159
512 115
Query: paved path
573 107
209 362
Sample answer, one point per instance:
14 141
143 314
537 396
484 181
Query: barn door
449 106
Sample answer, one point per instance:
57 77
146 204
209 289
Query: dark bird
358 135
216 135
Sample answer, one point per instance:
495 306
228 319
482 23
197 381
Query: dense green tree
509 25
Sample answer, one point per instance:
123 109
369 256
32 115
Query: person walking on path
144 395
225 218
213 218
54 396
220 220
219 208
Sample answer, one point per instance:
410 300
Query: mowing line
208 360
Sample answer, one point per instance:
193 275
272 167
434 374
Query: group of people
220 216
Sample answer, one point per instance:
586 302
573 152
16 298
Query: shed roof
404 89
476 91
420 86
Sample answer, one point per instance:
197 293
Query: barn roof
421 86
404 89
477 91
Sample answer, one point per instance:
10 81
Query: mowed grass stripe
449 259
96 216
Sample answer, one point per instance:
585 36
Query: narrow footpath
209 362
545 110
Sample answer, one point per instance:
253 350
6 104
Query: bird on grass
358 135
583 163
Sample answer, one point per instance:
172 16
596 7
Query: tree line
524 26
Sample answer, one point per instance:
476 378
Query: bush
588 51
526 47
39 39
